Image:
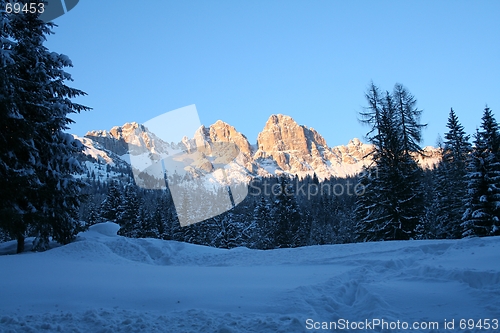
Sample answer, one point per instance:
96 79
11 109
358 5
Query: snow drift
106 283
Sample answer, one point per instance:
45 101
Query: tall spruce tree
482 214
16 149
42 157
373 205
409 192
391 205
451 185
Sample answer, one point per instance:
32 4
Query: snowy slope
107 283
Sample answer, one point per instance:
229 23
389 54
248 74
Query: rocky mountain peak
294 147
130 138
128 130
223 132
355 142
281 133
283 146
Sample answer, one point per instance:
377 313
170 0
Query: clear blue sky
241 61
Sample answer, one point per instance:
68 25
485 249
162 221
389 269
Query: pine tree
375 197
342 227
93 215
265 226
391 205
407 120
14 150
451 185
161 220
192 233
173 226
430 227
112 205
143 225
133 221
410 192
482 214
372 205
311 209
249 229
372 115
290 231
185 210
228 231
42 158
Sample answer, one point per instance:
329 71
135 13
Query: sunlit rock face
283 146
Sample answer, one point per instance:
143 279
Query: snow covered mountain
283 146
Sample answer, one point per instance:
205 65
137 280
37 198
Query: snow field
107 283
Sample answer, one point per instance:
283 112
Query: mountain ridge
283 146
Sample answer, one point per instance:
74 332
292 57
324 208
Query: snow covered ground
107 283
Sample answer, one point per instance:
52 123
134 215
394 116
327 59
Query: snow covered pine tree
451 185
37 158
481 217
290 228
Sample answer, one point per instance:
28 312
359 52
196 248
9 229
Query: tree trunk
20 243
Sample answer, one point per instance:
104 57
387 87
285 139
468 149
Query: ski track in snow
107 283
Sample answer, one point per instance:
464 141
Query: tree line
265 219
459 198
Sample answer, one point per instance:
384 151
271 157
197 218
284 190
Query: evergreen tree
112 205
15 170
481 217
93 215
191 233
133 221
290 231
342 228
451 185
372 211
249 230
410 192
185 211
228 230
265 226
312 212
372 115
407 120
143 225
161 219
42 157
172 221
391 206
430 227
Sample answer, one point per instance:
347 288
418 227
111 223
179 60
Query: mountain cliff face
131 136
297 149
205 138
283 146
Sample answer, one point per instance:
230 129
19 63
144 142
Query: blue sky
241 61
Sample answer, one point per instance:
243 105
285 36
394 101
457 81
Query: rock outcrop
130 138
